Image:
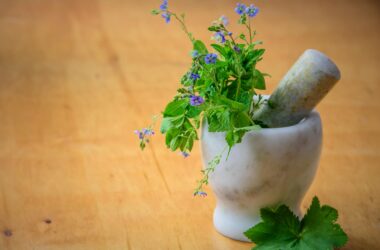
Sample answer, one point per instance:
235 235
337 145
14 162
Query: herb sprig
281 229
218 87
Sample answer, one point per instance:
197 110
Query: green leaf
200 47
165 125
218 120
193 111
220 49
281 229
175 142
155 12
176 107
233 104
232 138
213 28
259 81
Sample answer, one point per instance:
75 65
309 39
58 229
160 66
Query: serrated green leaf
281 229
218 120
176 107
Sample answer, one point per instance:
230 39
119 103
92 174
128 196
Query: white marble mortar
269 167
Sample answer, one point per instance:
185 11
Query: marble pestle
302 88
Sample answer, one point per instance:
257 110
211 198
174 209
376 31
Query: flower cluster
164 11
250 10
194 76
144 135
219 87
196 100
211 58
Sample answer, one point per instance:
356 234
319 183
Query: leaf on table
281 229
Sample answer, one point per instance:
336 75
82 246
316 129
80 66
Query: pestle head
320 61
302 88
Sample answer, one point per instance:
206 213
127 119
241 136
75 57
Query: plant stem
183 26
249 29
250 118
238 87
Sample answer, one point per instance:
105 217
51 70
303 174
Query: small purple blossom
240 8
224 20
166 16
237 49
200 193
164 5
147 131
194 53
219 36
196 100
211 58
144 132
252 11
140 134
185 154
194 76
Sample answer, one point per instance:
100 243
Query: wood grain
77 77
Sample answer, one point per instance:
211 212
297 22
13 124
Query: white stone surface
270 166
302 88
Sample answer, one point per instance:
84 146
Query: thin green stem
238 87
183 25
249 30
250 118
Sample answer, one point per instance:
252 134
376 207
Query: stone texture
270 166
301 89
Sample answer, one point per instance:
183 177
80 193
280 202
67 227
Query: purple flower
196 100
194 53
240 8
219 36
147 131
252 11
185 154
194 76
237 49
166 16
164 5
211 58
224 20
200 193
144 132
230 33
140 134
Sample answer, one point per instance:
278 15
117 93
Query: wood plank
77 77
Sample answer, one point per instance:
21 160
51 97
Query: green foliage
281 229
200 47
223 89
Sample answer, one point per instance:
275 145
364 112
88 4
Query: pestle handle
302 88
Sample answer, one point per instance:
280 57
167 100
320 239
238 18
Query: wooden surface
77 77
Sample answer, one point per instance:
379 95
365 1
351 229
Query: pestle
301 89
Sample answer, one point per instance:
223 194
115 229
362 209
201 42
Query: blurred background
77 77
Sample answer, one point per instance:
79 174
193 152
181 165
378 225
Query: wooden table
77 77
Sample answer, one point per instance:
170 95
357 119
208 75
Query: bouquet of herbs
218 87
